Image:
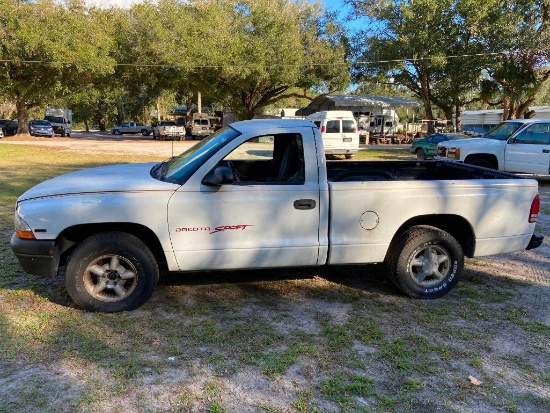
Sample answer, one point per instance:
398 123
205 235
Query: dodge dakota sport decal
221 228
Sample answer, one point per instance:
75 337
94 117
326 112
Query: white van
338 130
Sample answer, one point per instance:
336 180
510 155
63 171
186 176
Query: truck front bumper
536 241
35 256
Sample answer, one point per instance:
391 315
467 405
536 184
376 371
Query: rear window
333 126
348 126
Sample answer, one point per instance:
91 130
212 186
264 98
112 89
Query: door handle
546 151
305 204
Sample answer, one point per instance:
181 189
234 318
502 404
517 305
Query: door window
274 159
537 134
333 126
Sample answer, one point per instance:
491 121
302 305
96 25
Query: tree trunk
22 114
86 125
426 99
119 114
458 117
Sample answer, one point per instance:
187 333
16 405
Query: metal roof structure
357 103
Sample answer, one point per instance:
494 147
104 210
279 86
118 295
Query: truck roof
251 125
522 120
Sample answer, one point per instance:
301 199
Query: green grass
307 340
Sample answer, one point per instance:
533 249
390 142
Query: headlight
22 229
453 153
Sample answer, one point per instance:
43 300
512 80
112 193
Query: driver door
529 150
267 217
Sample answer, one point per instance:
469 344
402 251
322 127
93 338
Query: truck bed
357 171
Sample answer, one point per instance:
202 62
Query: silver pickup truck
168 129
131 128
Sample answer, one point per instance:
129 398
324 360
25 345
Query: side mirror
220 175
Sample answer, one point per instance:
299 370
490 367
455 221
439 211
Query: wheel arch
72 236
455 225
491 158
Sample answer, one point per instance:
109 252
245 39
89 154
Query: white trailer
478 122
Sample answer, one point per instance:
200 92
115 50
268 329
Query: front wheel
425 262
420 154
111 272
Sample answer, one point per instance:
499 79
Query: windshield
180 168
54 119
503 130
41 122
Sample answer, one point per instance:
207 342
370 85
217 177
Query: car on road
427 147
41 127
9 127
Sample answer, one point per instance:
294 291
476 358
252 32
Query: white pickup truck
168 129
262 195
520 145
131 128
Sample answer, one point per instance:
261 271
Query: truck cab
519 145
61 120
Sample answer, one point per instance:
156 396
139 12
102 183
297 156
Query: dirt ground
97 142
493 321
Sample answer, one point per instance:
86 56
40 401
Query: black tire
145 132
116 132
348 156
420 154
485 163
111 272
425 262
62 133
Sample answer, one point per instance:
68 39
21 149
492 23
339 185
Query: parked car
9 127
168 129
427 147
131 128
339 131
41 127
1 133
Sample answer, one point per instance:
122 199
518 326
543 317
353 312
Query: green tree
418 44
250 54
151 52
518 32
48 51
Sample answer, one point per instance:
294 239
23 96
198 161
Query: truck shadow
368 277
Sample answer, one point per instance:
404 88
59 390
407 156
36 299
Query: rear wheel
116 132
111 272
145 132
425 262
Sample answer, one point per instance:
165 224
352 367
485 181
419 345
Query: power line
167 66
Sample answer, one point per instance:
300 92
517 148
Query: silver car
40 127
